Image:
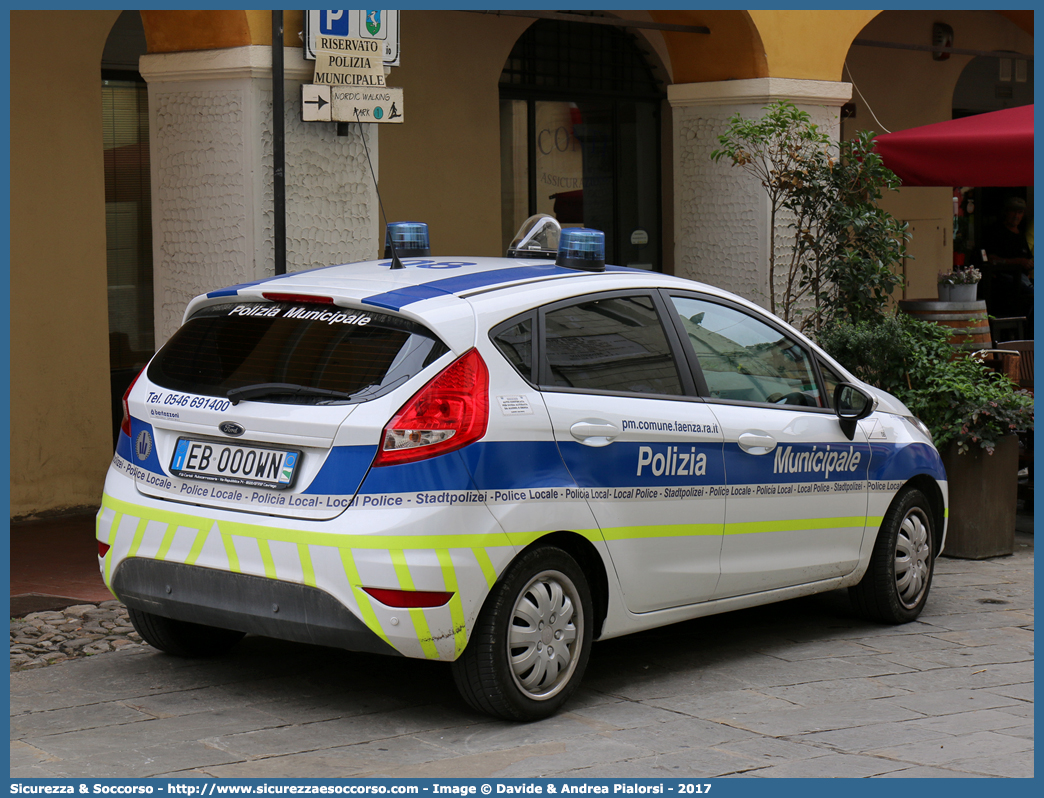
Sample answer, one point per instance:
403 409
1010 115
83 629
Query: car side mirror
851 403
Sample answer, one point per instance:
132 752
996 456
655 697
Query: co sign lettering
558 140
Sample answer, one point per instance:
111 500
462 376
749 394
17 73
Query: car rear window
355 354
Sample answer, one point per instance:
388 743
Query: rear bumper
239 564
252 604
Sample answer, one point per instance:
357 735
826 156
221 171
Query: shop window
128 222
128 206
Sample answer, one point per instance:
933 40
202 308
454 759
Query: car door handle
756 442
594 432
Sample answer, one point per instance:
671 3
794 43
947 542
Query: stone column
210 141
721 214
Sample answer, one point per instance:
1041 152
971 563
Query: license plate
235 463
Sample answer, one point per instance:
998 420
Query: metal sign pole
278 144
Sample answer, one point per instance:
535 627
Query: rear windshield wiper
281 389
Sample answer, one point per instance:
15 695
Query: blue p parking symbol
333 23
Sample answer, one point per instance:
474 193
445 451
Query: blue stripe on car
123 445
400 297
343 470
894 462
506 465
446 472
492 465
679 464
798 462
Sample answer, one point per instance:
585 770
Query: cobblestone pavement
44 638
798 689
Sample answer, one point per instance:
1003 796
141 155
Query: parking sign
334 23
380 25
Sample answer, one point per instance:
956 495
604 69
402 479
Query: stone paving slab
799 689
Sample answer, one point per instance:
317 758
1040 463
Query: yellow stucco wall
177 31
443 166
61 436
806 45
809 45
731 51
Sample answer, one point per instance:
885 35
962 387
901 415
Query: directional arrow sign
315 103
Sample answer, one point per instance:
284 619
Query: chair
1025 370
1016 361
1007 328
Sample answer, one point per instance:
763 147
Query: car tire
895 587
532 641
181 638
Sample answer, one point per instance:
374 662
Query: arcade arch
898 89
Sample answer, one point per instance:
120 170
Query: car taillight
125 425
405 599
448 413
103 548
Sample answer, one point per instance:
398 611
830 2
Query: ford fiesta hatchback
495 461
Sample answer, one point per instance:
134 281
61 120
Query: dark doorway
580 137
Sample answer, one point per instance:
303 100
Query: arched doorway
128 206
580 137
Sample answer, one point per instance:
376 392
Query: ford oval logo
231 428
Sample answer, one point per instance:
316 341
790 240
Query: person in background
1009 264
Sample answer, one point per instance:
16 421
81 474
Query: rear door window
514 339
293 353
614 344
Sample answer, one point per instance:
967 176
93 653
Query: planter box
983 498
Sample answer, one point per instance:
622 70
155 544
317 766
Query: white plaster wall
721 216
211 150
203 198
331 206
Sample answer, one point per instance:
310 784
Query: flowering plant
969 276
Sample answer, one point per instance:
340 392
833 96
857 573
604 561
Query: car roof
438 282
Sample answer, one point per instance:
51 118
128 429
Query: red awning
994 149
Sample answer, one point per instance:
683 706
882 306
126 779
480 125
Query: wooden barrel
968 322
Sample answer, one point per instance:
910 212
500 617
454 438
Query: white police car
494 462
